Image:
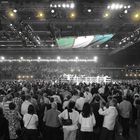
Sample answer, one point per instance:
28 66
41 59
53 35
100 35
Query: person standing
70 130
25 105
52 123
13 118
125 111
87 122
4 127
30 120
110 114
80 102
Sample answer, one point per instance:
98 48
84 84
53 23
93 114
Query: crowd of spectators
49 70
34 110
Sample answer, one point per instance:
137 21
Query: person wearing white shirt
125 111
70 130
25 105
110 114
30 120
88 96
80 102
87 122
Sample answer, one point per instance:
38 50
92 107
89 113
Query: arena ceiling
39 27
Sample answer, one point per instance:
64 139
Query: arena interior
69 70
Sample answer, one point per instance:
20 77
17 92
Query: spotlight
106 15
112 7
2 58
72 15
136 16
76 58
51 5
106 45
125 7
52 11
40 15
64 5
11 25
52 45
129 6
125 11
55 6
72 5
67 5
15 11
11 14
108 7
121 6
58 57
117 6
39 58
89 10
59 5
95 58
120 43
21 58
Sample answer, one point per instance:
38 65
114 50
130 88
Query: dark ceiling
21 35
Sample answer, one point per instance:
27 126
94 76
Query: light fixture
72 5
106 15
95 58
129 6
52 45
40 15
89 10
21 58
72 15
55 6
112 7
125 7
64 5
39 58
106 45
76 58
115 6
58 57
125 11
2 58
11 15
52 11
59 5
15 11
67 5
